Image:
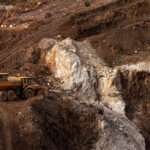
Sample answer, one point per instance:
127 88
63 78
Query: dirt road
6 129
8 113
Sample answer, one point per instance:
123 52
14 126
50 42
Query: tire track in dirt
6 131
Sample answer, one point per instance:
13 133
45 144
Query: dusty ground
118 30
34 124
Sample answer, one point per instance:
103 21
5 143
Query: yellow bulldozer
12 87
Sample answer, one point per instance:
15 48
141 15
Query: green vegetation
87 3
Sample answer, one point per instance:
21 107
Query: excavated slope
119 33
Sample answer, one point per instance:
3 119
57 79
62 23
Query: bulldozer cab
26 81
4 75
29 87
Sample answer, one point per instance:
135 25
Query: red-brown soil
119 30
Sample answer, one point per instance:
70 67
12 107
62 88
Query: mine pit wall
136 94
78 73
110 93
73 125
114 130
67 126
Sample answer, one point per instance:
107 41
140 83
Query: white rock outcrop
82 71
109 90
141 66
4 7
93 82
65 63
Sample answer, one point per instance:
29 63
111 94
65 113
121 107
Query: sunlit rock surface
74 63
65 63
95 84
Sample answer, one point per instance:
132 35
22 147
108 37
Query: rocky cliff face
97 107
72 125
98 85
135 82
65 63
74 63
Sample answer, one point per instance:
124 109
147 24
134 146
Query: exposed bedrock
83 72
73 126
135 82
93 82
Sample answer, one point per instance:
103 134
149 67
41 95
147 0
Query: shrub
87 3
